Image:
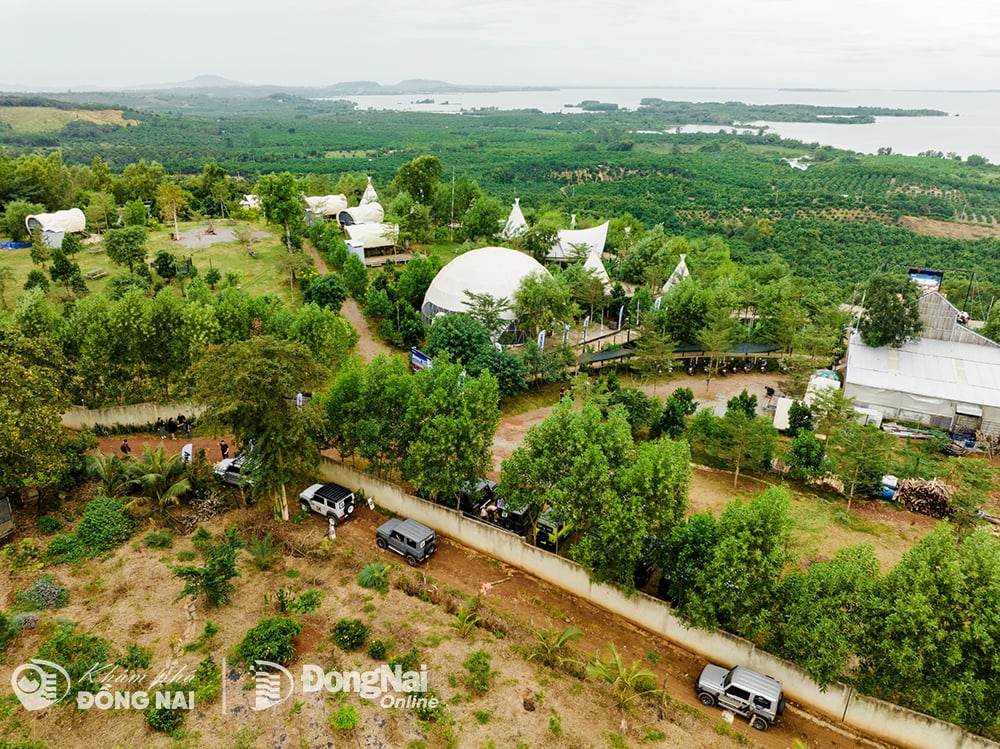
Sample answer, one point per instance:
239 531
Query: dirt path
369 345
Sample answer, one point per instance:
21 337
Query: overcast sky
113 44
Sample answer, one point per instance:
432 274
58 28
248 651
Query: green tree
542 302
673 419
415 279
355 277
328 291
14 214
126 246
158 476
806 456
283 204
738 585
248 389
419 177
800 419
860 456
824 612
892 311
451 421
483 219
165 265
171 201
458 335
488 310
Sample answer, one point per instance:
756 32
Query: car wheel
350 509
706 699
758 723
304 506
380 542
411 560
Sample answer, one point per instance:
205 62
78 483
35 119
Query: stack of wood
928 497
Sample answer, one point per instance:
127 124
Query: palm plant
552 645
628 682
159 477
110 472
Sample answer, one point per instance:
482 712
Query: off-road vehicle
756 697
230 471
413 541
329 500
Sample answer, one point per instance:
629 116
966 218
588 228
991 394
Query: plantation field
49 119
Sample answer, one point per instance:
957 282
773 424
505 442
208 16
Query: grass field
47 119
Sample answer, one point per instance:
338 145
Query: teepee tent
595 265
680 273
516 225
370 195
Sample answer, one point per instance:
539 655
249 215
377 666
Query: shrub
105 525
350 634
377 650
164 719
161 539
44 594
211 630
23 556
479 676
206 683
270 640
345 718
408 661
215 578
306 602
49 524
263 551
375 576
76 652
136 658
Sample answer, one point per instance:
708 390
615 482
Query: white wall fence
137 414
839 702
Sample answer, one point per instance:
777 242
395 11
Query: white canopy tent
572 242
489 270
368 213
71 220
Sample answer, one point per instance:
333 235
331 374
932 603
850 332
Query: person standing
172 428
125 448
161 427
224 449
184 425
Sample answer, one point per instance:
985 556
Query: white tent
571 241
326 205
516 225
71 220
250 201
594 264
368 213
370 195
489 270
680 273
373 235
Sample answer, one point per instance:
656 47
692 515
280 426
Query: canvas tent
71 220
372 236
370 213
326 205
488 270
516 225
571 242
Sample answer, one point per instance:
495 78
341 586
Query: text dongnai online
380 682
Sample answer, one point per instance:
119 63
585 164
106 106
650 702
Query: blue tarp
14 245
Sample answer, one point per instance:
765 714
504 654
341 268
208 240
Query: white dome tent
489 270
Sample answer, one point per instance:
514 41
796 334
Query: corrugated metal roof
928 367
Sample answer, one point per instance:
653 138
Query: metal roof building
949 378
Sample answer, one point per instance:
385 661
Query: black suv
413 541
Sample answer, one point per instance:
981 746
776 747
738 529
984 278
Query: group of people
171 426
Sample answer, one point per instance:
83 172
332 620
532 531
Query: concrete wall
138 414
839 702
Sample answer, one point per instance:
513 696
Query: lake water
972 124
